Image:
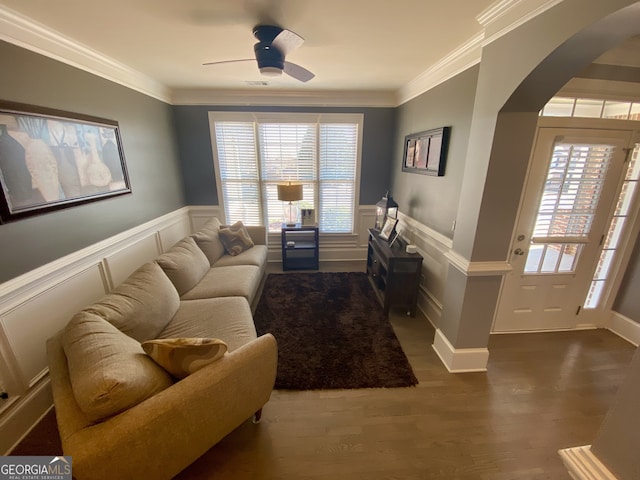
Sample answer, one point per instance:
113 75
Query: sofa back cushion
142 305
208 240
108 370
185 264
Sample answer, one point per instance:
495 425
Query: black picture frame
51 159
426 152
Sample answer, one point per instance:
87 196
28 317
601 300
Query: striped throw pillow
183 356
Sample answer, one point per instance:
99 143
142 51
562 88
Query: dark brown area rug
331 333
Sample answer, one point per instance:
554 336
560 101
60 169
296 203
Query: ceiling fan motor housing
268 56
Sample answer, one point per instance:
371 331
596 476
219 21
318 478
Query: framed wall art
50 159
426 152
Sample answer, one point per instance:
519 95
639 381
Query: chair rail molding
478 269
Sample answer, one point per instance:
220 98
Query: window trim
288 117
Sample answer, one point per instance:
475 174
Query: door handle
518 251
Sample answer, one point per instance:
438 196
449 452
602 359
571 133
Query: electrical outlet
453 226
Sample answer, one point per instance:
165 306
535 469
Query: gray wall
433 201
194 141
628 301
149 145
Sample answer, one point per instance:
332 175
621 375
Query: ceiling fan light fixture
270 71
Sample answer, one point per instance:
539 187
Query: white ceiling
369 51
349 44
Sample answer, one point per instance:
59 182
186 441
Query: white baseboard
582 464
460 360
625 327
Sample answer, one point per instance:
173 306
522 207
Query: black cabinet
394 273
300 248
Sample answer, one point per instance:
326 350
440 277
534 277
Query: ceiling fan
274 43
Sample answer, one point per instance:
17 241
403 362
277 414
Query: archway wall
519 72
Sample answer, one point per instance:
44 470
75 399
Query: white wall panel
119 265
28 326
172 234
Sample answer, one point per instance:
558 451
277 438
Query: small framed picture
426 152
387 228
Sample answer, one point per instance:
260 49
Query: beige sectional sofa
120 414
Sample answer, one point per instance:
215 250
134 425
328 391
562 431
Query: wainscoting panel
433 247
120 264
36 305
172 233
28 326
199 215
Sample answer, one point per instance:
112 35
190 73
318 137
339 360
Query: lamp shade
289 193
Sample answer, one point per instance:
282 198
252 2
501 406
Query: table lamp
290 193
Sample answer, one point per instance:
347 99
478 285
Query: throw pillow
235 238
183 356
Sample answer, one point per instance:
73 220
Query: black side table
300 247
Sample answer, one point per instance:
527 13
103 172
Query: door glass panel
568 205
552 258
616 228
624 201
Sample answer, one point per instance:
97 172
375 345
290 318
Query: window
591 108
255 152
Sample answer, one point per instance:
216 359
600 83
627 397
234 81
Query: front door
564 215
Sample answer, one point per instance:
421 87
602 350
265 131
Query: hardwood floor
542 392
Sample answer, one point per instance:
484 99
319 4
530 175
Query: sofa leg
257 416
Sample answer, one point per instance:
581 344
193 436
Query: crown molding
36 37
504 16
303 98
457 61
497 20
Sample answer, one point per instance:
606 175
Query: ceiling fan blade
231 61
297 72
287 41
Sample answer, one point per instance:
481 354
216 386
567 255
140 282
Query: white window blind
253 157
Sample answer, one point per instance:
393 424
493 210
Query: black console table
394 273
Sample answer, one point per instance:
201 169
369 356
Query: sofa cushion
235 238
257 255
237 281
226 318
183 356
208 239
142 305
185 264
108 370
